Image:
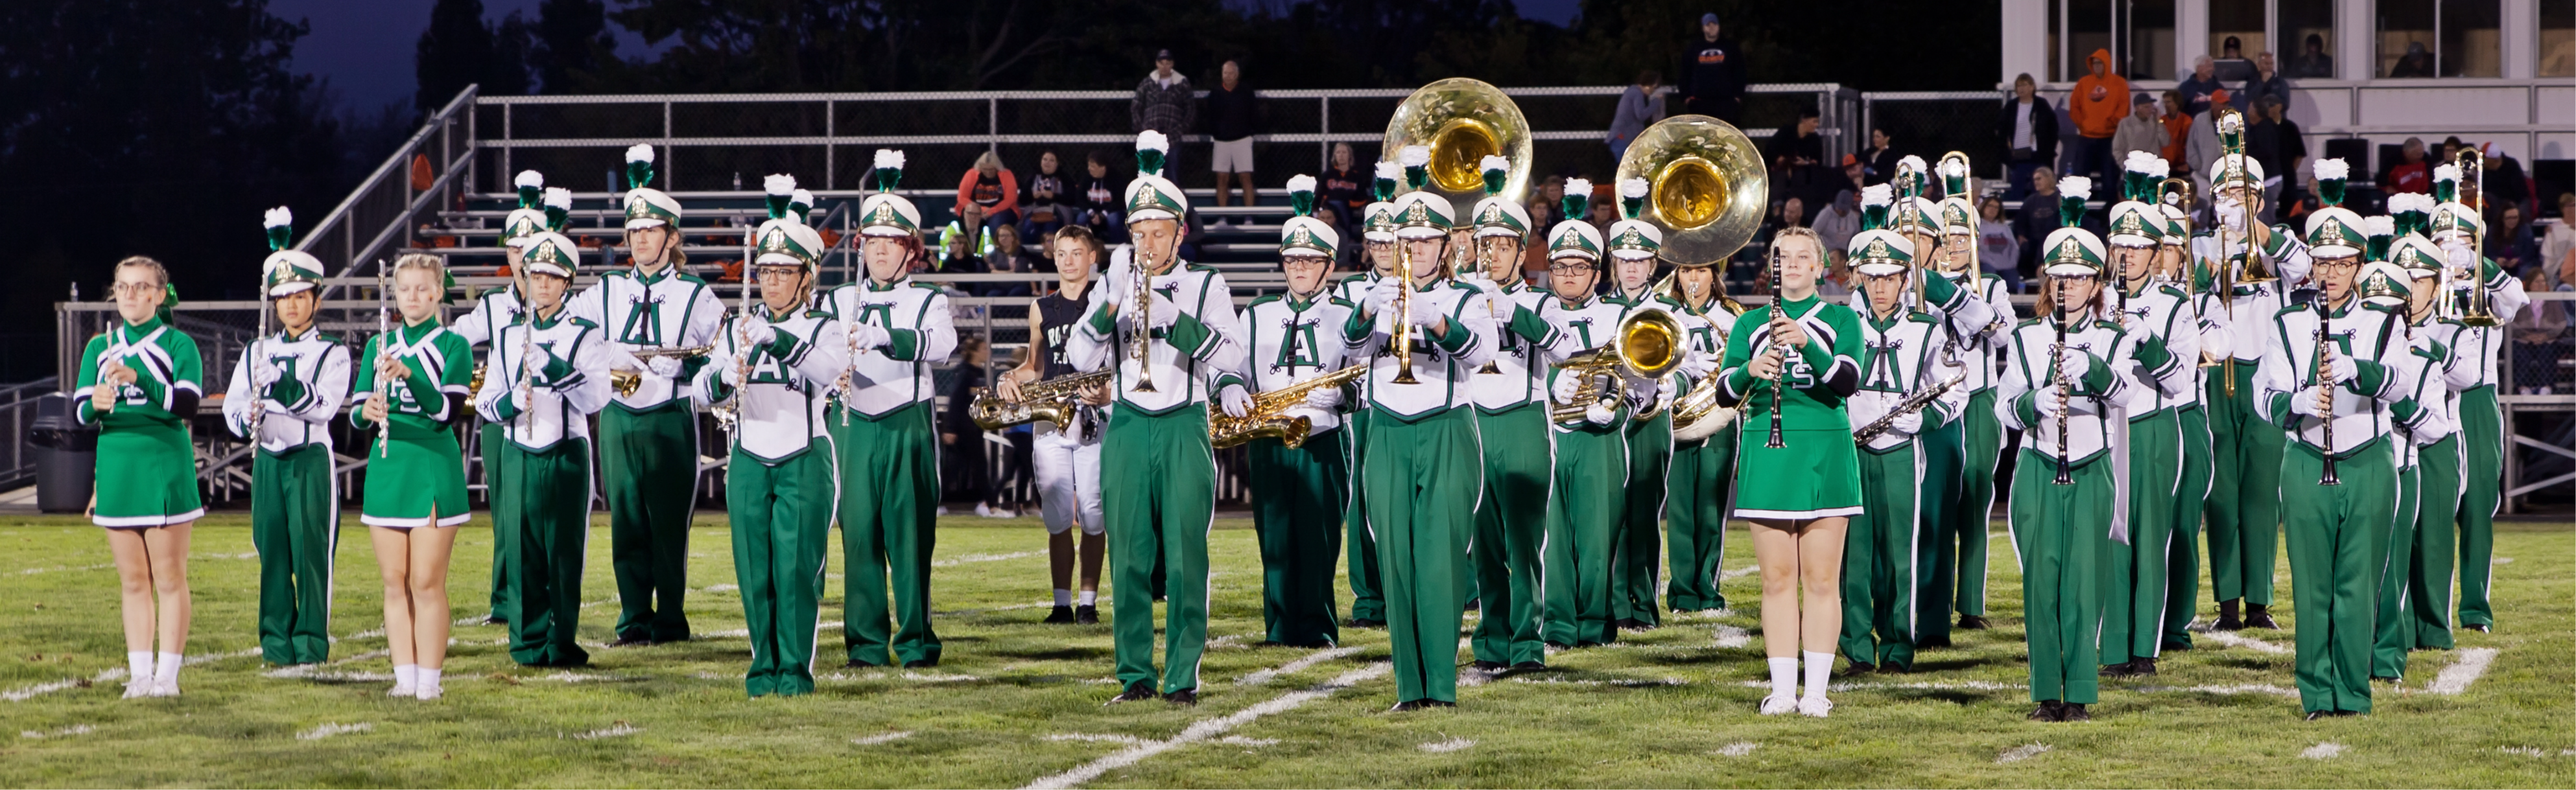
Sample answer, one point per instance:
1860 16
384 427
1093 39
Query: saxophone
1052 400
1266 418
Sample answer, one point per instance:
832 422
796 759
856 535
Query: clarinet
2325 388
2057 362
1780 377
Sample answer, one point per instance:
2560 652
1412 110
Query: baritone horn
1647 345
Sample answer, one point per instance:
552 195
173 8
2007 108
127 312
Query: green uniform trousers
1511 530
2337 535
2438 470
1366 602
2394 626
505 583
1582 523
649 462
2182 557
295 525
1879 552
1943 449
2063 534
542 510
1702 480
1158 508
1297 511
2244 507
1422 505
1635 569
782 538
889 524
2133 612
2481 490
1982 434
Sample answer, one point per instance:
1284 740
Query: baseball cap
1849 160
1162 54
1709 18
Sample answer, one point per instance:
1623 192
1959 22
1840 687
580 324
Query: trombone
2479 311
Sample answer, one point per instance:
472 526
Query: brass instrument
1401 323
1266 419
1140 309
1462 121
1958 265
1701 402
2479 311
1707 186
1916 401
1647 345
625 381
1052 400
2231 142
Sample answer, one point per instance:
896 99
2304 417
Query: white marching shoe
1777 704
1816 706
430 691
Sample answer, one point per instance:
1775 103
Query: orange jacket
2098 102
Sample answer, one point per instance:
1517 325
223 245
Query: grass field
1017 702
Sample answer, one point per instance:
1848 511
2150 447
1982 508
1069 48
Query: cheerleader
139 382
549 373
282 398
1801 490
413 392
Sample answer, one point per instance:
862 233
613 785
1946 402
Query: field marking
109 676
1261 676
1736 749
66 732
717 588
956 561
1238 740
2500 561
2457 677
1739 572
1625 682
328 729
2020 753
586 677
1444 747
2232 640
621 730
322 671
1208 729
881 738
2233 688
1086 737
1731 636
66 569
2323 751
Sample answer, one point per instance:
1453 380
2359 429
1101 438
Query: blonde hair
419 260
989 162
160 274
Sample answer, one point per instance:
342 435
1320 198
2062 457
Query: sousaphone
1462 121
1706 186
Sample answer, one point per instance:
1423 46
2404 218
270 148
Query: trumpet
1402 320
1053 400
1647 346
1266 418
1140 293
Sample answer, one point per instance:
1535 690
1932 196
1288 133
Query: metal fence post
670 168
507 173
827 144
1324 147
992 125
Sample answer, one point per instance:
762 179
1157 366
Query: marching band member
1900 362
1066 458
883 429
1511 421
2191 496
2432 421
648 444
2156 315
2066 378
2423 415
1954 573
1702 479
1802 490
1377 238
2244 507
283 395
139 383
495 309
1590 470
1168 343
2330 372
2458 229
1634 245
548 374
769 379
1421 492
1297 491
415 489
1941 444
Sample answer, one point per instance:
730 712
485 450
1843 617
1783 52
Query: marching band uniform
1941 443
2155 314
2455 226
2336 532
1638 553
1297 491
1422 499
1368 605
494 310
1591 464
1881 553
2191 494
1702 479
2423 415
2414 607
648 451
547 376
295 383
2244 507
1511 424
772 374
1954 570
885 437
1162 504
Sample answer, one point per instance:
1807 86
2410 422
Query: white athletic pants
1068 472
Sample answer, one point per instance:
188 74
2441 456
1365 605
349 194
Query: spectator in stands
1800 147
1234 116
961 442
2038 217
2503 181
2266 83
1840 220
1878 161
1713 70
2313 62
1345 185
2417 62
2410 173
2540 337
2177 128
1605 206
1997 251
1045 205
2100 99
2140 131
2028 128
1008 256
2232 65
990 186
2450 150
2201 87
2509 241
1855 176
2202 148
1165 102
2561 239
961 248
1542 213
1551 192
1640 106
2274 140
1099 204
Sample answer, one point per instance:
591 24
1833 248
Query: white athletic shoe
402 689
138 688
1777 704
1218 225
165 688
430 691
1815 706
988 512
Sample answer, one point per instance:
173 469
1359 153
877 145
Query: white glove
2438 426
1426 312
1910 424
1564 388
729 369
865 335
2231 214
2303 402
1119 262
519 399
263 372
1482 281
1665 388
2340 369
1326 399
665 367
1160 311
1234 400
2046 404
1382 295
755 328
1598 414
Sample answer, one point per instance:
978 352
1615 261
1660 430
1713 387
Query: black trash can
66 457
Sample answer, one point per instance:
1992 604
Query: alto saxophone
1052 400
1267 416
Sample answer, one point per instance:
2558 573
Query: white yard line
2457 677
328 729
2323 751
882 738
2231 639
1737 749
1739 572
1210 729
109 676
1261 676
621 730
66 732
1444 747
956 561
1731 636
2234 688
2020 753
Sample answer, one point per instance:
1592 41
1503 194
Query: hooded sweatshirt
2099 102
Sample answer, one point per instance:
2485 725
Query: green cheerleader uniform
1816 473
416 475
147 471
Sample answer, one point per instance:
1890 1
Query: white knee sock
1063 597
138 664
1784 677
1819 665
168 668
1089 598
406 675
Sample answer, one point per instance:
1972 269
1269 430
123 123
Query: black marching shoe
2318 714
921 663
1971 622
1528 666
1189 697
2120 670
1060 615
2142 667
1932 641
857 664
632 641
1408 706
1137 691
1475 604
2073 711
496 620
2227 620
1363 622
1859 668
2259 616
2051 710
1086 615
1489 666
2171 647
2480 628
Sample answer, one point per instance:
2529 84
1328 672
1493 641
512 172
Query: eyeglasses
137 289
2349 264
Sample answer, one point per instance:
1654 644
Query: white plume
2077 187
1150 140
2159 169
639 152
1493 162
1953 168
778 184
1414 155
1301 183
1632 188
1577 186
1390 171
888 157
1878 195
801 197
1911 164
2449 173
2379 226
2333 169
558 197
277 218
2141 162
529 178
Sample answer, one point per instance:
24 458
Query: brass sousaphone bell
1462 121
1706 186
